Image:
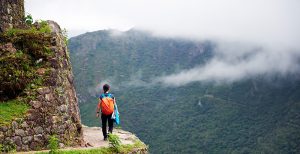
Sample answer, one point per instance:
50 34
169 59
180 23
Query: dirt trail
94 139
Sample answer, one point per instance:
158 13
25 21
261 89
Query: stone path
94 139
93 136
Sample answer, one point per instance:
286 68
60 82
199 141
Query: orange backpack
107 105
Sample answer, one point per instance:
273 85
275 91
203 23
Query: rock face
54 110
11 14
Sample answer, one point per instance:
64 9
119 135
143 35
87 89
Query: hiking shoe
105 139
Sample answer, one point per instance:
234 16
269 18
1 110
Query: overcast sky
270 24
269 21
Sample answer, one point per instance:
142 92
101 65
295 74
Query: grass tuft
11 110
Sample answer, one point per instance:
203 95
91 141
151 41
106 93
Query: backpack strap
102 96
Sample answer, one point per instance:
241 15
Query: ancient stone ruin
11 14
52 104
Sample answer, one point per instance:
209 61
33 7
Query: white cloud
230 65
271 24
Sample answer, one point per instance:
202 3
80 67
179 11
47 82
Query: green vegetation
114 142
53 144
8 148
65 35
28 19
257 115
42 29
90 151
11 110
105 150
22 53
18 68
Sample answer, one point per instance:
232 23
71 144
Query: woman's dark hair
105 88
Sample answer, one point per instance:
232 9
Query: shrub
65 35
44 27
29 19
53 144
8 148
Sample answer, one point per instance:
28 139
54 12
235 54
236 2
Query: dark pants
104 119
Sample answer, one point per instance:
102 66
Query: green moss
11 110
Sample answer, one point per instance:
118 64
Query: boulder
20 132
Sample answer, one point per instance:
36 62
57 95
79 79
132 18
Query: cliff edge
94 143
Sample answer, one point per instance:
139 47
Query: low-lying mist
234 62
231 62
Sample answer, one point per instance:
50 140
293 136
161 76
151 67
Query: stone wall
11 14
54 110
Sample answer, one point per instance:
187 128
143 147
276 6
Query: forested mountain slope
258 114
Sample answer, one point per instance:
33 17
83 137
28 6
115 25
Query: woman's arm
98 108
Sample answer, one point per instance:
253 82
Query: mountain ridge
257 114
